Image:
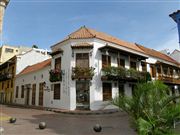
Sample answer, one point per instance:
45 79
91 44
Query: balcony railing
169 79
5 76
120 73
55 75
82 73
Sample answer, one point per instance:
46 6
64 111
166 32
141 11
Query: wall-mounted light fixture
45 87
63 72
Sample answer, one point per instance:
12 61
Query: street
62 124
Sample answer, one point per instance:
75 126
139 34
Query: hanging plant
55 75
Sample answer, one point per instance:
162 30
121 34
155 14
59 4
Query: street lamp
176 17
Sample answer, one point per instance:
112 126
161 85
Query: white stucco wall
34 78
69 85
30 58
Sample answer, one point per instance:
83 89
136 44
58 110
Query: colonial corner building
89 68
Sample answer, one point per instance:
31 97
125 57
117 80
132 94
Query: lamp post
176 17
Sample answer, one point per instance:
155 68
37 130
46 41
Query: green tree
35 46
151 109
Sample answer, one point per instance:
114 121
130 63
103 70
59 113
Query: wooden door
107 91
34 94
27 97
153 70
41 94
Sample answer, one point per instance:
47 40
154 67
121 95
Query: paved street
63 124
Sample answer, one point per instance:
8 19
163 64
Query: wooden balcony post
161 70
118 59
138 64
129 58
168 72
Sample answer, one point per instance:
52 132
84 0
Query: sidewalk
75 112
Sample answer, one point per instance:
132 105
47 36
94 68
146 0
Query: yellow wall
8 88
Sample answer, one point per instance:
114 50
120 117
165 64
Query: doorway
27 88
27 97
33 94
82 95
41 93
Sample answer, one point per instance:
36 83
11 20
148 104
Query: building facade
7 52
83 60
162 67
32 86
89 68
13 66
7 78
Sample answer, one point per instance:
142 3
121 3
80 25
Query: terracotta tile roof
82 45
86 33
157 54
35 67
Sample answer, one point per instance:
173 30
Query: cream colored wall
7 55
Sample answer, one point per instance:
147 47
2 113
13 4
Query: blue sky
47 22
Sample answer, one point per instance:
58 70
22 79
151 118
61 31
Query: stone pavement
64 124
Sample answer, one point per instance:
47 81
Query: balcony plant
132 73
114 72
122 73
82 73
55 75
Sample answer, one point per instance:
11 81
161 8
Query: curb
100 112
76 112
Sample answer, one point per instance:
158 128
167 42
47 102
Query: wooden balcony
55 75
82 73
169 79
5 76
122 74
